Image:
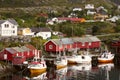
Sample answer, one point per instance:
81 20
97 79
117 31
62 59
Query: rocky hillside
31 6
41 3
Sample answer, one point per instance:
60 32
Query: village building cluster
17 55
99 14
10 28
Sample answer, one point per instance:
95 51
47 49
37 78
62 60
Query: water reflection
73 72
37 76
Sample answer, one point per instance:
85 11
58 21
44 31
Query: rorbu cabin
86 42
17 54
70 44
56 45
7 54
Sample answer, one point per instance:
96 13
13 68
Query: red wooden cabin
10 53
55 45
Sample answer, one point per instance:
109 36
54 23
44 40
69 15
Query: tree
95 29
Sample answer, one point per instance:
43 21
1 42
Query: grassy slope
28 3
45 5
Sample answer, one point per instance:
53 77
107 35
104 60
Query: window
50 46
13 31
6 25
83 44
89 43
13 26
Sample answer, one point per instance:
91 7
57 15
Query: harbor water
106 71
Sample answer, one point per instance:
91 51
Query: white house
91 12
119 7
77 9
89 6
8 27
113 19
43 32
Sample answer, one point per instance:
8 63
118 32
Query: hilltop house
101 13
77 9
43 32
91 12
113 19
89 6
8 27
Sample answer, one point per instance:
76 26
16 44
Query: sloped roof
10 20
62 41
30 46
12 51
18 49
13 21
75 39
85 39
2 21
93 38
25 48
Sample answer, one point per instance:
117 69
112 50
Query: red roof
30 46
71 19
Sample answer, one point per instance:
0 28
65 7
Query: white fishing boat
79 59
106 57
38 65
60 62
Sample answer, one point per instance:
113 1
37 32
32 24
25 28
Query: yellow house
25 31
100 16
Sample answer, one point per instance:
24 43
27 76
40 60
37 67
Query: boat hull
105 61
72 62
79 59
60 66
37 70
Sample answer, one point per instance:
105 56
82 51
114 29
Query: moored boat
38 65
106 57
79 59
60 62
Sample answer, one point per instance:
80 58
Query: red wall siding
9 55
50 49
79 45
18 60
95 45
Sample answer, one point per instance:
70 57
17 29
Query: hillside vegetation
53 3
26 13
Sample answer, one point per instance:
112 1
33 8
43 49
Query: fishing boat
79 59
106 57
38 65
60 62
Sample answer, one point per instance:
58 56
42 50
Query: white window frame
50 46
